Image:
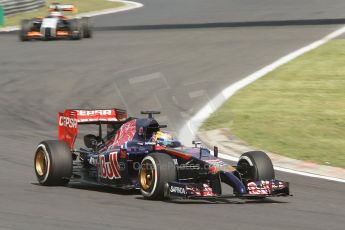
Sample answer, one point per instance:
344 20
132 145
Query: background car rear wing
60 7
69 119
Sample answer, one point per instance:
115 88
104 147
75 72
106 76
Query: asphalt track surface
175 69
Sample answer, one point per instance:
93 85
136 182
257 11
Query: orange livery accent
34 34
62 33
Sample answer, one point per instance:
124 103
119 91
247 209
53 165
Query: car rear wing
69 120
60 7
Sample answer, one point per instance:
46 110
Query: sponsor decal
93 161
189 167
123 153
277 185
216 162
178 190
216 165
124 134
68 122
261 187
205 191
94 112
110 169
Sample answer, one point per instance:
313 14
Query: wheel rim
246 170
41 162
147 175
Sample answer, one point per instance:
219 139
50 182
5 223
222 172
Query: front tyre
86 27
255 165
53 163
156 170
25 27
75 28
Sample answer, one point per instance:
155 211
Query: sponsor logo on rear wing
69 119
68 127
96 115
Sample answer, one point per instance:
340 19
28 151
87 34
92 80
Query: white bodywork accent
49 23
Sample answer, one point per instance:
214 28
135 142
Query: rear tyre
156 170
75 29
86 27
25 27
255 165
53 163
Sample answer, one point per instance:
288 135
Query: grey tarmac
173 70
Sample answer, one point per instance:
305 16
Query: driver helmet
55 14
165 138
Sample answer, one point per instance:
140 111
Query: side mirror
196 143
91 141
215 151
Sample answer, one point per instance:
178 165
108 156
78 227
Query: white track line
188 131
129 5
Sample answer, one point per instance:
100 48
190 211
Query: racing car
55 25
138 153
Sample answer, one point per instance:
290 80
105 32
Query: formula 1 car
55 26
136 153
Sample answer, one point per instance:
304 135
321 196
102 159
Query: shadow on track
219 201
105 189
305 22
133 192
100 188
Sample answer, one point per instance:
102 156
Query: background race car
136 153
56 25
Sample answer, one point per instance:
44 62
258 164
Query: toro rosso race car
55 25
136 153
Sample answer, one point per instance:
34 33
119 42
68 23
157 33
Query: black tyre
156 170
75 28
255 165
53 163
86 27
25 27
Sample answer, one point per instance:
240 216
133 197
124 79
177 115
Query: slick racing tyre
255 165
24 29
75 28
156 170
53 163
86 27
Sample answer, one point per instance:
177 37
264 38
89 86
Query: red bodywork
69 119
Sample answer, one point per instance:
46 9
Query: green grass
297 110
82 5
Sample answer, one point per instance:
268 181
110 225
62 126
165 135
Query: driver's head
165 138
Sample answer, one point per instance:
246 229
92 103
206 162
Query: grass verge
82 5
298 110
